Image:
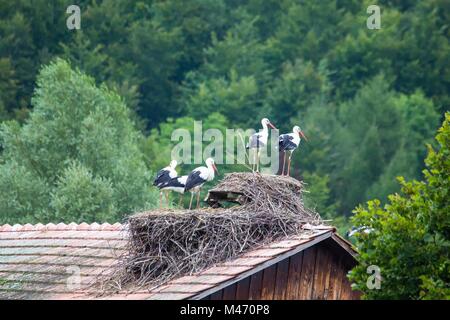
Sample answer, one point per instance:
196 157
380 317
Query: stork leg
180 202
257 161
289 165
160 199
284 162
198 199
254 161
167 198
190 202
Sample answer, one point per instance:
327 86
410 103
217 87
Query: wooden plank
255 286
347 292
328 261
318 284
243 288
294 277
333 288
307 276
229 293
268 283
339 279
344 284
281 280
322 272
216 295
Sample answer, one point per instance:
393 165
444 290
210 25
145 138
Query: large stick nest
165 244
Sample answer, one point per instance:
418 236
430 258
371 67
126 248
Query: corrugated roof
43 261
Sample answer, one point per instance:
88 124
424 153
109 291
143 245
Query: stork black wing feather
162 177
285 143
174 183
193 180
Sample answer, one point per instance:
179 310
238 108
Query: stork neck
210 170
265 128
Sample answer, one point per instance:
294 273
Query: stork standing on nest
259 140
163 177
177 185
290 142
198 177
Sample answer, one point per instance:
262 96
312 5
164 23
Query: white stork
163 176
258 140
197 179
176 184
290 142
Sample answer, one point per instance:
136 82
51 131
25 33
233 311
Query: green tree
365 140
74 120
229 98
299 86
378 136
196 21
158 146
411 234
318 197
80 196
24 196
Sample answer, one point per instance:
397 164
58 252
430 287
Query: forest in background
368 100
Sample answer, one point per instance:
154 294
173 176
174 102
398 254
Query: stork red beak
271 125
303 135
215 168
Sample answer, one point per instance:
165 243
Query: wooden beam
307 277
268 283
243 288
281 280
255 286
229 293
294 277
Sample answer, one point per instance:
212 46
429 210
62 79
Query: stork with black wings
198 177
163 177
288 143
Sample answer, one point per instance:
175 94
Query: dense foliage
410 240
368 99
76 158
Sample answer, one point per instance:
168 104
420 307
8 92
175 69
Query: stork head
173 164
266 122
210 164
299 131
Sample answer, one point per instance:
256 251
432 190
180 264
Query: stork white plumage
288 143
164 176
198 177
259 140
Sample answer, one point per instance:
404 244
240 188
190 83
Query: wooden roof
38 261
